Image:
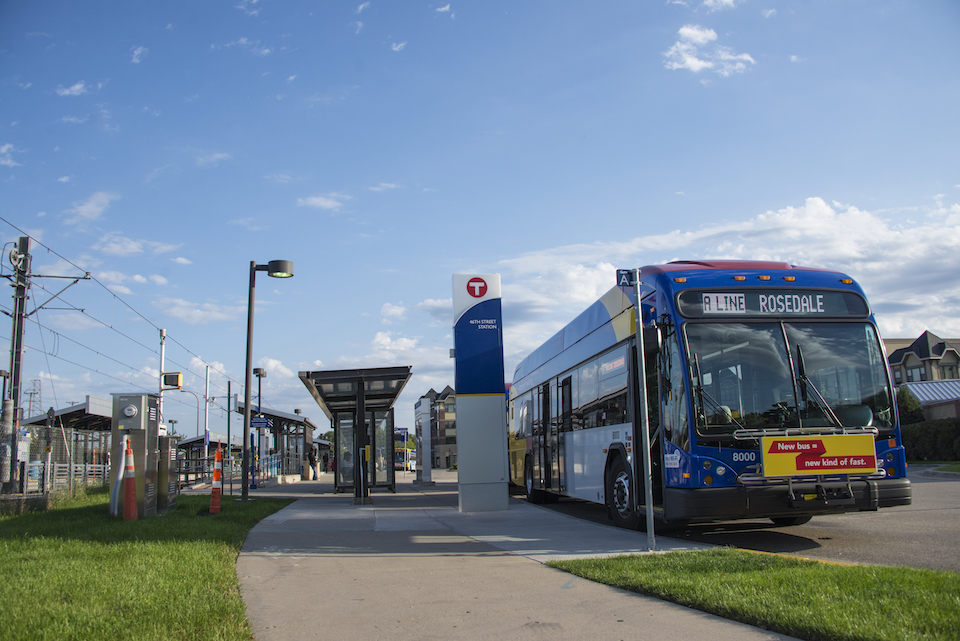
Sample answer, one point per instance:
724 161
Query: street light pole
276 269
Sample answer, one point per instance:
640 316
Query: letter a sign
625 278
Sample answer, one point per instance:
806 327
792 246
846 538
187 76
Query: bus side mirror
652 340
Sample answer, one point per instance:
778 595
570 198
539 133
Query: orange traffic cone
129 485
215 493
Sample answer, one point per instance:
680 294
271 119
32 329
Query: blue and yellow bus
768 396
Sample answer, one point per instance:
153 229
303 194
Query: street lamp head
259 372
280 268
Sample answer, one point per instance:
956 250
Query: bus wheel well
620 492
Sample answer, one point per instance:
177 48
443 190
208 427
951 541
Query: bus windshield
787 375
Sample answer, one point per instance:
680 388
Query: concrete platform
411 566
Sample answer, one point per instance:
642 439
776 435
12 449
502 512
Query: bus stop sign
625 277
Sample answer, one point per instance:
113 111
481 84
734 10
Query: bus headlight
721 470
708 480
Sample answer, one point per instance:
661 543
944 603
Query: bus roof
686 265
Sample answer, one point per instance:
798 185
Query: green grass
950 467
75 572
805 599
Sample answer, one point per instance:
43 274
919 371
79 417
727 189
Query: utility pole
206 414
20 259
163 339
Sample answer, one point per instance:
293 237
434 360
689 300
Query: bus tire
785 521
533 495
621 497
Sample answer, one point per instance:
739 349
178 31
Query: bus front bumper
782 500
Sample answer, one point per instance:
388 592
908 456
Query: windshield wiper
807 385
703 394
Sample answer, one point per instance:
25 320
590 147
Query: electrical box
167 482
136 418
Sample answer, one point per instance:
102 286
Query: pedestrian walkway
411 566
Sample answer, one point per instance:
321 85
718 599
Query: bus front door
547 425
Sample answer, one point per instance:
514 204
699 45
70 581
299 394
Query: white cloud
157 279
275 368
697 35
331 201
6 159
247 6
91 209
245 43
116 244
120 289
64 179
384 342
717 5
398 47
78 89
198 313
443 9
393 313
138 54
769 13
384 187
250 223
694 53
180 260
363 6
212 160
75 120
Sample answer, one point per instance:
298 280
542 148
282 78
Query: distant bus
405 459
767 389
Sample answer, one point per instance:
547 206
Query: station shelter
80 432
285 438
345 396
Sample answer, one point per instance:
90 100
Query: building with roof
440 411
938 399
928 367
927 358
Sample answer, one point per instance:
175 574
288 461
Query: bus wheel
534 496
620 496
784 521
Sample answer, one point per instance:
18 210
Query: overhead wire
109 326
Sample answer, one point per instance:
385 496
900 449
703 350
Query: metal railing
196 471
61 477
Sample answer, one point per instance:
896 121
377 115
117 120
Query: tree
908 407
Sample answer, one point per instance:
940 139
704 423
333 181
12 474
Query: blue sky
384 146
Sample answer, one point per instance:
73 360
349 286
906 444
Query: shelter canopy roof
336 390
93 415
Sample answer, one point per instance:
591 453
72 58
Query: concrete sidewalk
411 566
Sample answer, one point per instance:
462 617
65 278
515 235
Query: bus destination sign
752 302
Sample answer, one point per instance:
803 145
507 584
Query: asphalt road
925 534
